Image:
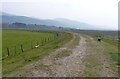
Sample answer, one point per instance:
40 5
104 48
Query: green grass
12 38
112 53
14 63
112 47
113 42
114 56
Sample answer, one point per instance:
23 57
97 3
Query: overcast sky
96 12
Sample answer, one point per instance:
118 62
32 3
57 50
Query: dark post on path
99 39
8 51
22 48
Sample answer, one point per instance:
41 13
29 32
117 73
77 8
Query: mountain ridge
59 22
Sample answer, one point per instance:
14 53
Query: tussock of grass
63 53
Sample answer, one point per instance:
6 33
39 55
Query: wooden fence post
22 48
8 52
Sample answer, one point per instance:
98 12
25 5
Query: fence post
22 48
8 52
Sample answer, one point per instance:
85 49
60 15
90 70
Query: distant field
12 38
102 33
113 35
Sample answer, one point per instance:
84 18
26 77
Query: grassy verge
112 53
95 53
14 63
112 42
114 57
111 50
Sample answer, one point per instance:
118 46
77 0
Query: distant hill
59 22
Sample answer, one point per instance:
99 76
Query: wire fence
19 48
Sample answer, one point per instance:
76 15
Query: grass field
112 42
13 39
18 60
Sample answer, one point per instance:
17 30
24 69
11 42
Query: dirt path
77 58
70 65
